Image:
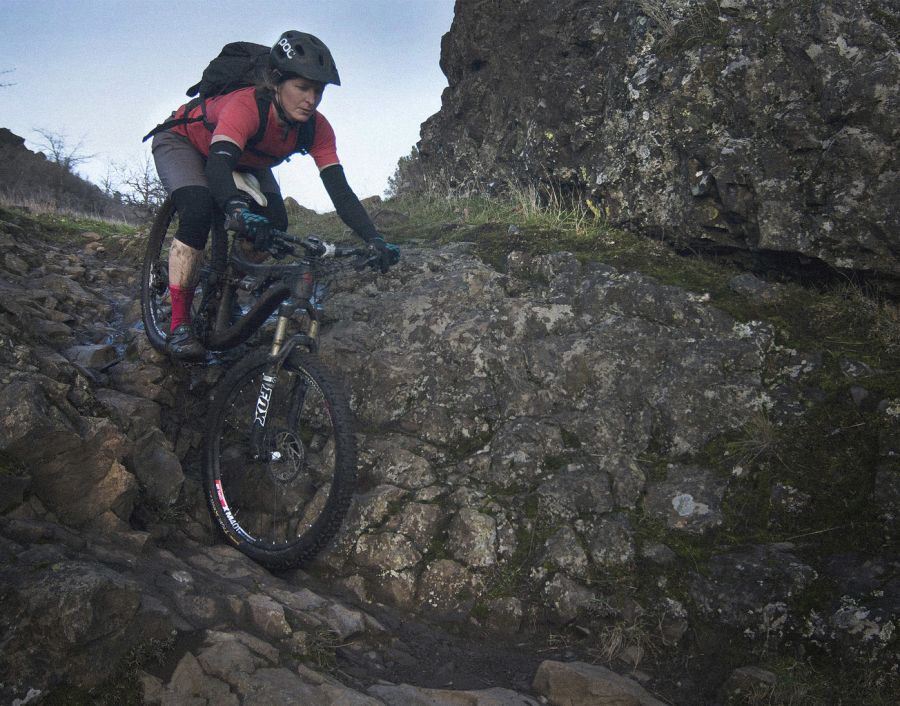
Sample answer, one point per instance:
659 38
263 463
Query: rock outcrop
537 450
761 125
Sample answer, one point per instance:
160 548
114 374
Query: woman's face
299 97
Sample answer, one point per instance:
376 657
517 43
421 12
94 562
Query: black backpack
238 65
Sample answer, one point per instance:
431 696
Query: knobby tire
281 512
156 305
156 308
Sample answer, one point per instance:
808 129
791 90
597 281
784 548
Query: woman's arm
347 205
224 154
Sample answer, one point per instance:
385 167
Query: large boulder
768 126
523 404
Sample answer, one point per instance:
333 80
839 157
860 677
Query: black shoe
183 344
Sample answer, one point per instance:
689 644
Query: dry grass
868 308
700 24
761 437
628 637
656 11
44 205
321 648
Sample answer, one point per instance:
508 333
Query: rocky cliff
761 125
560 461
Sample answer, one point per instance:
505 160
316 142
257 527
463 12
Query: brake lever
234 225
282 250
363 261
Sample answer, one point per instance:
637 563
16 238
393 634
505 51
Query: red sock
182 298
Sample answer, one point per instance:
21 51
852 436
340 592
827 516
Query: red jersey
236 116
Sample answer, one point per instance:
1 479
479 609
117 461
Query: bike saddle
250 184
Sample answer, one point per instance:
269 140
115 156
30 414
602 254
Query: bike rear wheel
156 304
283 508
156 307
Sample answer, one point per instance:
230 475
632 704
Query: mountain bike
279 452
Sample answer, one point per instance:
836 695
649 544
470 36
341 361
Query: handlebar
283 243
317 247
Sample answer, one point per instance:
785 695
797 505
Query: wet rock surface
518 436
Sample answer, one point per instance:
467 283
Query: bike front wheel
279 496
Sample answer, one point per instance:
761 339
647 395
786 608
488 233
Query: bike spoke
274 538
277 498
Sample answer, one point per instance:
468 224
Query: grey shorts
179 164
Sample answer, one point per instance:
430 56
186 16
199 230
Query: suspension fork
281 348
267 386
263 404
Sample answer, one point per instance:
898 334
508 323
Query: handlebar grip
318 247
281 235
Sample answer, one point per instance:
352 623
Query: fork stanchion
281 330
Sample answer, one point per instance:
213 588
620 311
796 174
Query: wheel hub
287 456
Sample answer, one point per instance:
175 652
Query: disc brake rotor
287 456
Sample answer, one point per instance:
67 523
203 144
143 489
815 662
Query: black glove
257 228
384 254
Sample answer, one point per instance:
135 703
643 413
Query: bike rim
158 309
273 502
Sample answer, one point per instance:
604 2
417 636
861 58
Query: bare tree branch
56 146
108 182
141 185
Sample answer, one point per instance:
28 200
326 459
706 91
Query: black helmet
302 54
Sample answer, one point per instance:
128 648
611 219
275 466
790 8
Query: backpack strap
305 134
262 106
183 119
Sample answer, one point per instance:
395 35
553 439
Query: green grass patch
63 227
844 318
825 461
305 222
11 466
693 550
512 577
814 682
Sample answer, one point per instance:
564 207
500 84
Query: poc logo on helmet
286 48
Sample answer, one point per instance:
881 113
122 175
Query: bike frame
279 283
288 288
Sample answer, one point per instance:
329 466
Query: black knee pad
276 212
195 208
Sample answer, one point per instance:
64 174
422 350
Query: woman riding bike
195 161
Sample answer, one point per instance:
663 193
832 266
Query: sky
104 72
